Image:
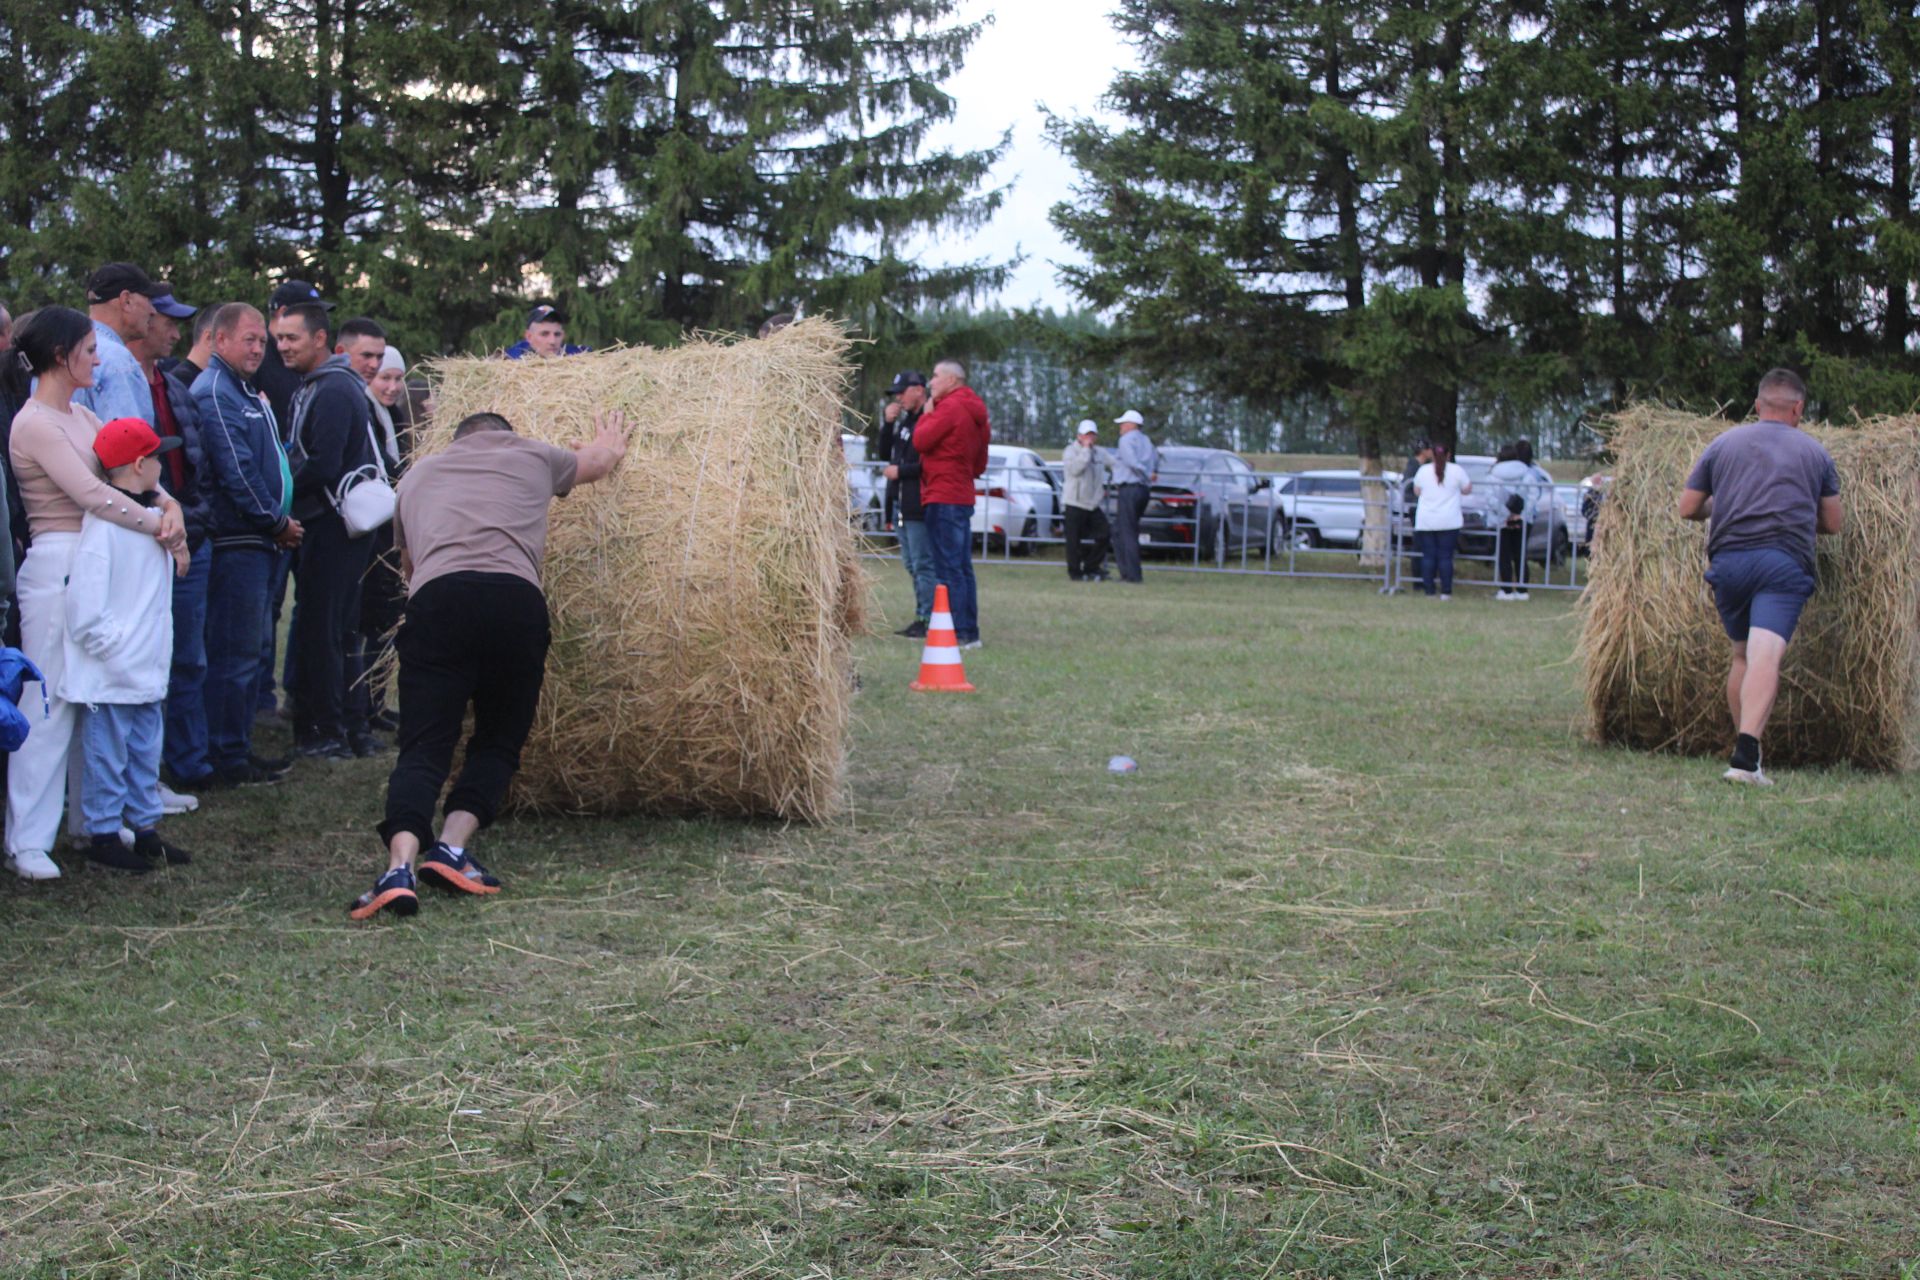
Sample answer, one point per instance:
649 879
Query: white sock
458 851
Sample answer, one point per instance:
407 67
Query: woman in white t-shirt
1437 518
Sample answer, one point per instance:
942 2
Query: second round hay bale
701 596
1655 655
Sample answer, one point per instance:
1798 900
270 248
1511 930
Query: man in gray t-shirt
1768 489
471 526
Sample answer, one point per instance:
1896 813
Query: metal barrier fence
1294 524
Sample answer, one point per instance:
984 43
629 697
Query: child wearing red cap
119 653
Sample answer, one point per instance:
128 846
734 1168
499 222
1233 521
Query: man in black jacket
279 384
909 390
331 438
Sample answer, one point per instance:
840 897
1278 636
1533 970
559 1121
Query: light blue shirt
120 388
1136 459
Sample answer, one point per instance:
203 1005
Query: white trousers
37 774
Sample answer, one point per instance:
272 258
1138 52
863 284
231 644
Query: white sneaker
33 865
172 801
1747 777
1504 595
1519 595
1445 596
973 644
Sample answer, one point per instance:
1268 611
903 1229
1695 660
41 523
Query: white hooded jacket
119 642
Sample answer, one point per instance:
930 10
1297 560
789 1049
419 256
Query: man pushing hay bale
1655 649
703 599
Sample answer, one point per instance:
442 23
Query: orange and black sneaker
456 871
391 892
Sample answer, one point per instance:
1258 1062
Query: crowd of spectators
230 464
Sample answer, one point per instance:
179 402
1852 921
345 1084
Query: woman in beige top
60 482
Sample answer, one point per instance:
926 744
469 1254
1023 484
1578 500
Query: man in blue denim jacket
120 301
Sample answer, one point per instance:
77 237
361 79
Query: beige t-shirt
480 506
60 477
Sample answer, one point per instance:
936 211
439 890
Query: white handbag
364 498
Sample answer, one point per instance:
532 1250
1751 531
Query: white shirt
119 641
1439 507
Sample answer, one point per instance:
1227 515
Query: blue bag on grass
15 670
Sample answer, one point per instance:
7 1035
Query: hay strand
704 596
1654 653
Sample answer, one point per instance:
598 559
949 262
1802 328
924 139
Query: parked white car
1018 499
1329 508
866 489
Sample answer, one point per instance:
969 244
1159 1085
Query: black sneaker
247 775
384 721
365 744
277 766
325 749
107 851
150 846
391 892
458 872
916 630
185 785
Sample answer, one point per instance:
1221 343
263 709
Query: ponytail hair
1440 455
46 341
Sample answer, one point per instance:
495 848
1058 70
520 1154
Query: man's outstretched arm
599 456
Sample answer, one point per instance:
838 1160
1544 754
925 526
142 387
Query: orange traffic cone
940 669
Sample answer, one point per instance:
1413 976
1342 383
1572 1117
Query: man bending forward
471 527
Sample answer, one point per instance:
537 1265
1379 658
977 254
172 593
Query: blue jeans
238 612
1436 558
121 744
185 748
950 537
916 552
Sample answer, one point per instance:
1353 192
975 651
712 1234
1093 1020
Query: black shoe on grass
458 872
150 846
915 630
365 744
325 749
392 892
276 766
108 852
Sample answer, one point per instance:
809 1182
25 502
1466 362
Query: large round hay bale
704 596
1655 655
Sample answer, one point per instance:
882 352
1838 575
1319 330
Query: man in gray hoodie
1085 504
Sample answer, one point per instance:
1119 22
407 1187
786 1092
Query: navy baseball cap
546 313
115 278
168 305
904 379
296 293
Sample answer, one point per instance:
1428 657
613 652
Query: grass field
1373 969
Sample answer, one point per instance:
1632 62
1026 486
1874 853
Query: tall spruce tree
1229 224
657 165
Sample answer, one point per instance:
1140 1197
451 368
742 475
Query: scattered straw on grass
1654 652
704 597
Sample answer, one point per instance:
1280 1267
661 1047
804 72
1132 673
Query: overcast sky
1062 53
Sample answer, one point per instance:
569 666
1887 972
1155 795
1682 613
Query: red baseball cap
127 440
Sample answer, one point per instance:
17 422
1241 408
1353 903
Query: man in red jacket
951 439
